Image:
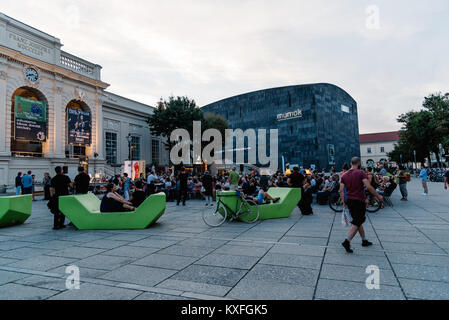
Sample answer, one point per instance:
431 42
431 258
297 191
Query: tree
174 113
424 130
180 113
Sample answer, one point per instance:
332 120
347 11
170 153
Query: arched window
78 129
29 117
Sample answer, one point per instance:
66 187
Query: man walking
182 191
82 181
423 177
19 184
60 185
354 182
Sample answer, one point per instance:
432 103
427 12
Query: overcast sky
214 49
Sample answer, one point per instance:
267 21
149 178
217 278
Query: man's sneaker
424 194
366 243
347 245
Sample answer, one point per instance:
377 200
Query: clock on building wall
31 74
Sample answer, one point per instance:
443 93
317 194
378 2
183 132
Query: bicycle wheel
249 211
335 202
215 217
373 205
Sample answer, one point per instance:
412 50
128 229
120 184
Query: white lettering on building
289 115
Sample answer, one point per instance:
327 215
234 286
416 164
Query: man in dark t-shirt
296 180
138 196
182 192
82 181
59 186
354 182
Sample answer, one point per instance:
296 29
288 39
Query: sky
388 55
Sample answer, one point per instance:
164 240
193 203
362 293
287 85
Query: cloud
211 49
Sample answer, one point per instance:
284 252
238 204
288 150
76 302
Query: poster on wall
79 127
30 119
135 168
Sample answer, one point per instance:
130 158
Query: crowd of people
125 194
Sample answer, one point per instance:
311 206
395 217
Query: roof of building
379 137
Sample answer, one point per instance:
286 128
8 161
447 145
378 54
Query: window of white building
111 147
135 148
155 151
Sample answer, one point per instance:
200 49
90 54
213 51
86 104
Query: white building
34 68
374 147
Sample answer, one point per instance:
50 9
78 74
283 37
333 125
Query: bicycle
246 211
372 203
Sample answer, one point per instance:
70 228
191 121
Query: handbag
345 217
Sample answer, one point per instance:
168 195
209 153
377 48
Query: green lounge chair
14 210
290 198
84 212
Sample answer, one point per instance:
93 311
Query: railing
77 65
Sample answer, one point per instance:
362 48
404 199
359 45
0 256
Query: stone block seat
281 209
84 212
14 210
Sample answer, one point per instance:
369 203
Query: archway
29 118
78 129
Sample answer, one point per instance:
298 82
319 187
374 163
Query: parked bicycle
246 210
372 203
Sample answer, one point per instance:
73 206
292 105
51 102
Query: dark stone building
317 123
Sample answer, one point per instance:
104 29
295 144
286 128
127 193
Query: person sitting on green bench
138 196
263 196
113 202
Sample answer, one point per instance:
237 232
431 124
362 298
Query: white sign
289 115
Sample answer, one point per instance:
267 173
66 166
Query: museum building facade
317 123
55 111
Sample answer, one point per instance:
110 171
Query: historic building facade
54 110
317 123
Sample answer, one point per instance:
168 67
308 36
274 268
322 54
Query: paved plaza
182 258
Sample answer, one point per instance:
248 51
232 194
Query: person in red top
355 181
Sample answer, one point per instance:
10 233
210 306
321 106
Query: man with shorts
354 181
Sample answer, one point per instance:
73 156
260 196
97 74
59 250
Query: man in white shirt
152 177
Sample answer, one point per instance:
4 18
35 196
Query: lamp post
129 138
401 162
414 155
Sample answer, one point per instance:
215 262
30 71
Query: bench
84 212
289 199
14 210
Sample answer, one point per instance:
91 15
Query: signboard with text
30 119
134 168
79 127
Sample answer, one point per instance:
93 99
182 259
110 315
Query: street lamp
129 138
414 155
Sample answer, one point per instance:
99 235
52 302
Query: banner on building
135 168
79 127
30 119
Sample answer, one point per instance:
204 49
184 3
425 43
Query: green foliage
174 113
424 130
180 113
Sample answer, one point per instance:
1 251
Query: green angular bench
290 198
84 212
14 210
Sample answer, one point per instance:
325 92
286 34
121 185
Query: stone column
59 135
4 150
99 138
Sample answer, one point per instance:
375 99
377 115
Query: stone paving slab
181 258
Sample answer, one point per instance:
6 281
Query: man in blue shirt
423 177
126 186
27 182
